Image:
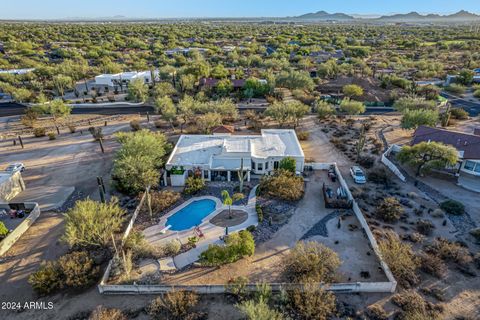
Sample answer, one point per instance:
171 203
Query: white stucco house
219 157
112 80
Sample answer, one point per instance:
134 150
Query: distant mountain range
461 16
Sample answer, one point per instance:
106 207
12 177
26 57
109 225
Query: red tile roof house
468 147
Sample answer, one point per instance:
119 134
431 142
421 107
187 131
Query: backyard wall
369 287
13 236
389 164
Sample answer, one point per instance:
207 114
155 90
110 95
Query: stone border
368 287
13 236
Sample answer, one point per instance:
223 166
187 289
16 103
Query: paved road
473 108
16 109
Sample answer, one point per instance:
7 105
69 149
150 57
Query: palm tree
229 200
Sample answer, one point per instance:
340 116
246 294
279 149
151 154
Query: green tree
224 87
324 109
465 77
413 103
91 223
207 121
258 310
57 109
229 200
163 89
167 109
352 90
138 90
295 80
62 83
428 155
219 72
186 110
351 107
288 164
412 119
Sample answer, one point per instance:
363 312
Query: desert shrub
303 135
194 185
476 93
135 125
414 306
39 132
162 200
459 114
389 210
433 265
449 251
238 287
173 305
136 243
378 175
425 227
455 88
158 124
47 279
474 232
102 313
52 136
288 164
366 161
237 246
3 230
282 185
72 128
171 248
78 269
313 302
96 133
311 261
400 258
453 207
258 310
259 210
376 312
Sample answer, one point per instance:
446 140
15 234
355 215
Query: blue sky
53 9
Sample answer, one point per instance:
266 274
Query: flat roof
4 176
214 150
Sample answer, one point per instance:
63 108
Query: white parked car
15 167
358 175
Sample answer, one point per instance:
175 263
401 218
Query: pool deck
212 233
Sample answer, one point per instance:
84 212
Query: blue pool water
191 215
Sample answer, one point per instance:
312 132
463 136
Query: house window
260 167
266 165
205 174
477 168
275 165
469 165
253 165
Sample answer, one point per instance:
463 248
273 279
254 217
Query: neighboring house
184 51
113 80
468 147
219 157
432 82
17 71
223 129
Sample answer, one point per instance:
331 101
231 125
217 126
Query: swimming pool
191 215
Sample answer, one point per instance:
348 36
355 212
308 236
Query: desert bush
425 227
136 243
303 135
96 133
311 261
400 258
3 230
91 223
258 310
459 114
474 232
158 124
433 265
376 312
72 128
162 200
102 313
78 269
237 246
288 164
366 161
455 88
52 136
39 132
313 302
135 125
476 93
171 248
259 210
282 185
449 251
238 287
47 279
173 305
414 306
452 207
389 210
193 185
378 175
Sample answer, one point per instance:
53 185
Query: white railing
390 165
